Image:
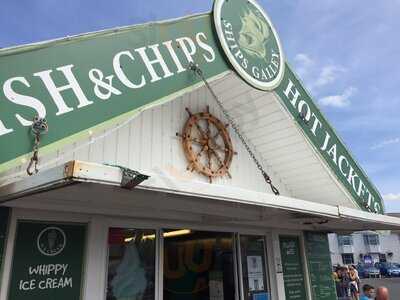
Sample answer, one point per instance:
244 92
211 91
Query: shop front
180 160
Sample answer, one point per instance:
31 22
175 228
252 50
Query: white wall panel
149 144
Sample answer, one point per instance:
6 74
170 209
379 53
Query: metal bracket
130 178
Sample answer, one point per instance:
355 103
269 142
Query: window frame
345 240
158 226
156 258
240 264
234 254
348 255
372 239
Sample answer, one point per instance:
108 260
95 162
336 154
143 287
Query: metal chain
196 69
39 126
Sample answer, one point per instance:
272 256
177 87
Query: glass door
198 265
253 267
131 264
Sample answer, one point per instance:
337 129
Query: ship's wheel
207 145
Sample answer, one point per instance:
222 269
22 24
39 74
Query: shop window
382 257
348 258
198 265
345 240
371 239
131 264
255 284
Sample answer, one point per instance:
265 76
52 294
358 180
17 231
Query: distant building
364 246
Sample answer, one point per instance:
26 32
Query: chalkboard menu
4 217
292 265
319 265
48 261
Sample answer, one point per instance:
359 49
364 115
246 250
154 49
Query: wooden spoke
200 152
196 141
203 135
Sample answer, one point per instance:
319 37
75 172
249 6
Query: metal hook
39 126
33 163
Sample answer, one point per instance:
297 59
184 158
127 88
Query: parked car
368 271
389 269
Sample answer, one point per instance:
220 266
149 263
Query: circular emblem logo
250 42
51 241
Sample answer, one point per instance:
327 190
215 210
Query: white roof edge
355 214
79 171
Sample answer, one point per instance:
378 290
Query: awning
290 136
84 187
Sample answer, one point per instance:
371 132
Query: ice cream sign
48 261
53 278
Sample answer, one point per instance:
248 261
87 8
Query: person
368 292
354 291
336 276
358 278
345 282
382 293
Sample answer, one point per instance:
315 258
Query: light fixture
129 239
177 233
169 234
165 234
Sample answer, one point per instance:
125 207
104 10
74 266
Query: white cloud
385 143
304 59
339 101
328 75
391 197
304 64
315 74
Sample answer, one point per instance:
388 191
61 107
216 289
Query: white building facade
364 246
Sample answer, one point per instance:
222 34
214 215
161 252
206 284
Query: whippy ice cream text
50 276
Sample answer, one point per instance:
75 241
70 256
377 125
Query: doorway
204 265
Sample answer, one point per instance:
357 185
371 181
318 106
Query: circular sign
250 42
51 241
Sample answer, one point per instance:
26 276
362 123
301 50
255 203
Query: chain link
39 126
196 69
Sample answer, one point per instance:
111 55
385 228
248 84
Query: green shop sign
82 83
292 265
319 266
48 262
89 82
325 140
250 42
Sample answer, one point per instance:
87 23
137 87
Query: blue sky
346 52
